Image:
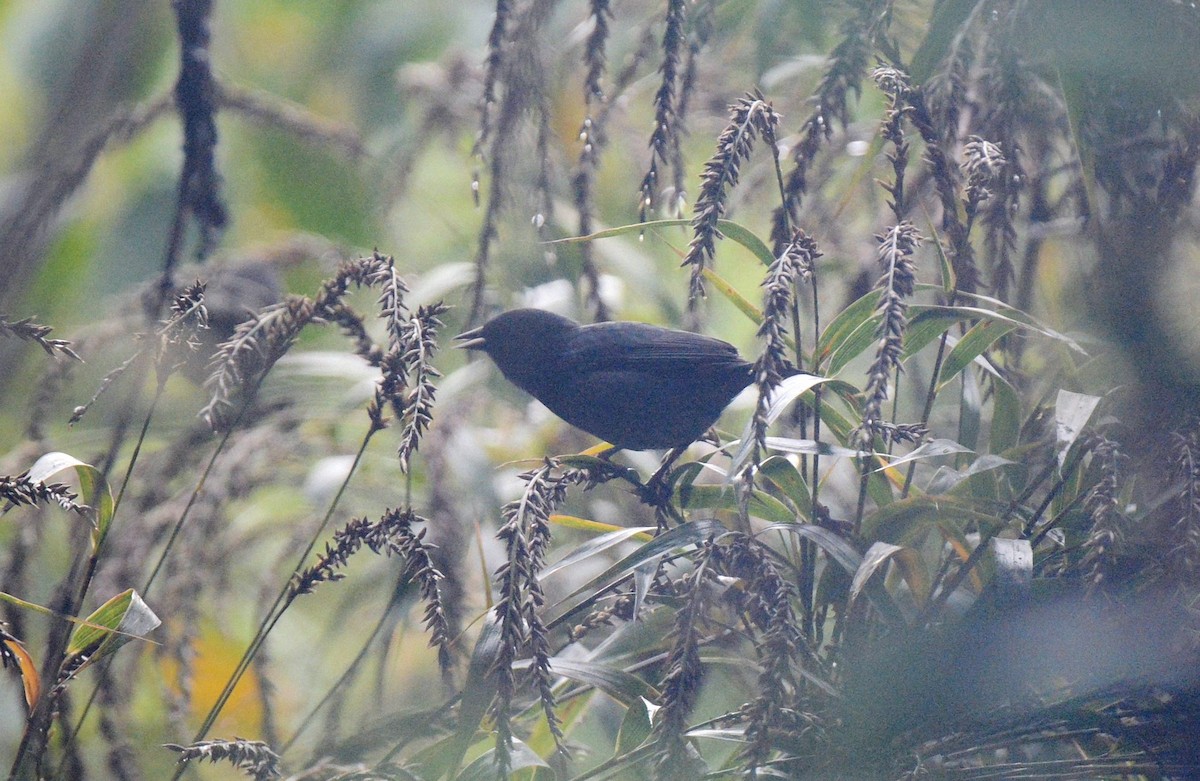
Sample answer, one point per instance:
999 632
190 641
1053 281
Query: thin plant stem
341 681
815 486
277 609
930 396
85 583
133 459
183 516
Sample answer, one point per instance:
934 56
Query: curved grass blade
622 686
728 228
113 624
521 757
909 561
596 546
844 555
690 533
91 484
973 343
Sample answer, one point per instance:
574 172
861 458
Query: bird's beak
471 340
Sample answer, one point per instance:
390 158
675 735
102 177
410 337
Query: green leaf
594 547
970 411
925 325
945 24
95 490
520 757
842 553
783 475
1006 416
974 342
623 230
622 686
689 533
931 449
905 521
728 228
810 447
744 236
848 335
790 389
635 728
878 555
1003 311
116 622
947 480
1076 97
445 756
724 497
839 550
949 278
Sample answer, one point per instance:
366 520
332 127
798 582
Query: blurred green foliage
348 127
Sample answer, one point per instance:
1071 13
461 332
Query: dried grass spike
242 361
252 756
662 139
795 263
896 247
30 331
420 345
748 117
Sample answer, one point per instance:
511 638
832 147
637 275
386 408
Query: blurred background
354 127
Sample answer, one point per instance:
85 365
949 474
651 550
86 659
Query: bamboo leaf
783 475
973 343
624 687
689 533
877 557
521 757
635 727
728 228
596 546
1006 416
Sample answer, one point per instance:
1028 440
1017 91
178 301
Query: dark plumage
636 386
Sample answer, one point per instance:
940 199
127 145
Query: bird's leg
657 491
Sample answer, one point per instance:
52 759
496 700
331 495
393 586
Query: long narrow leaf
849 560
622 686
728 228
690 533
593 547
973 343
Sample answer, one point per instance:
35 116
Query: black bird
636 386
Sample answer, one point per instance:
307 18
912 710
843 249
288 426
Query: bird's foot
657 492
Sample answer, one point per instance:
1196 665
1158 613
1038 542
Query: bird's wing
638 347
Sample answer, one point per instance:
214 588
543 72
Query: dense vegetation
258 515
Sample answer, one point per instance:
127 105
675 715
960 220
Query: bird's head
521 342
